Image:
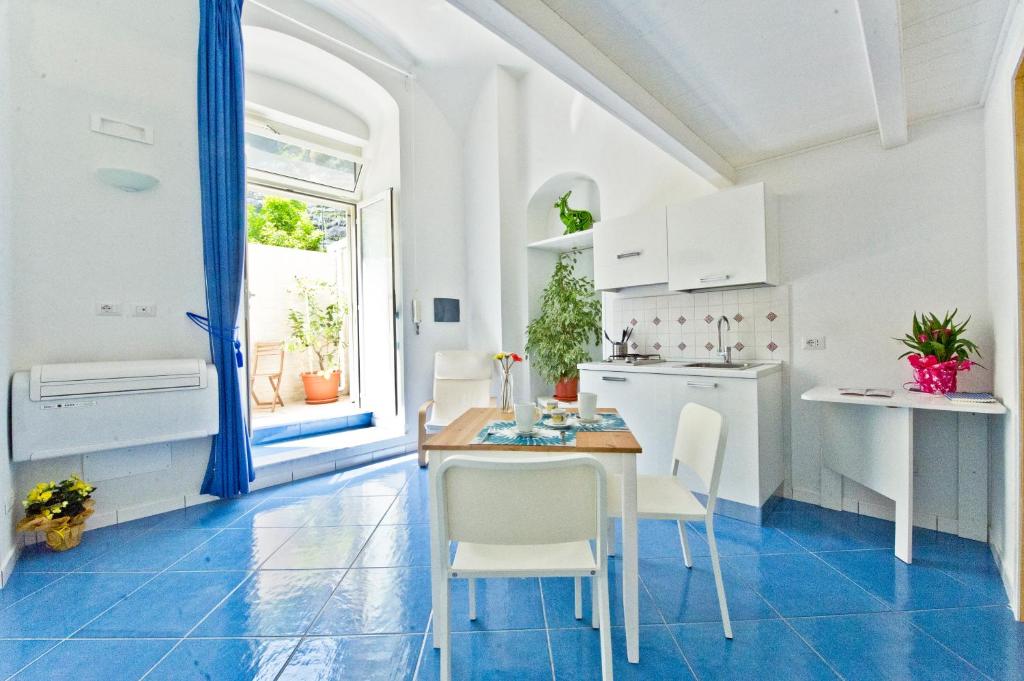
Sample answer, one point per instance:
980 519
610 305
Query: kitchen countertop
678 367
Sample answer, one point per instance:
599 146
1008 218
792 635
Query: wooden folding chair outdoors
268 362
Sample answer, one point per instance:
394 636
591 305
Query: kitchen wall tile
757 318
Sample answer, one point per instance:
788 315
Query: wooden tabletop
459 434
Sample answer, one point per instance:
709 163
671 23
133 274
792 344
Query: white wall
292 100
79 241
481 207
7 496
1000 175
868 236
543 128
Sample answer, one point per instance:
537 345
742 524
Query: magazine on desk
867 392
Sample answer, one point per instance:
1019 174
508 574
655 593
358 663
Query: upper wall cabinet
724 239
631 250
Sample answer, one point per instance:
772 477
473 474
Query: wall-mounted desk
870 440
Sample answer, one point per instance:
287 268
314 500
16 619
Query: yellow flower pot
61 533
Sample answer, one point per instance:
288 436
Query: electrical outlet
813 343
108 309
144 310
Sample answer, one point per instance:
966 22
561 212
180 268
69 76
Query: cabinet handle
617 379
631 254
714 277
696 384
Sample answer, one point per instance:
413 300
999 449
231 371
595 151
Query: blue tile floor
328 578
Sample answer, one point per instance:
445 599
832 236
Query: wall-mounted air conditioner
64 409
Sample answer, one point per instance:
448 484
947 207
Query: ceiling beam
883 42
544 36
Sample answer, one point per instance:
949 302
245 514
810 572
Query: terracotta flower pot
566 389
321 390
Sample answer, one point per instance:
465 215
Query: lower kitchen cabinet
650 403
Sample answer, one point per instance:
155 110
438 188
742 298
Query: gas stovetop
634 359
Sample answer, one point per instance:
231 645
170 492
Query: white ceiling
760 79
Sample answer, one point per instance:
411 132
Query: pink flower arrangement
938 351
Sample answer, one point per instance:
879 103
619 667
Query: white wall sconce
127 180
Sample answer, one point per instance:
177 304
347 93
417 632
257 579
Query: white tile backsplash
759 321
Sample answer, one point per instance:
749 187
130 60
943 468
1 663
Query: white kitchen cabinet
729 238
753 469
645 402
631 250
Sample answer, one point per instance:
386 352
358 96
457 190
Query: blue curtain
222 178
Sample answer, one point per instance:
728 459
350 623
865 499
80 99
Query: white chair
532 518
699 445
462 380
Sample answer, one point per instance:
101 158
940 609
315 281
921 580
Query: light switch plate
108 309
813 343
144 310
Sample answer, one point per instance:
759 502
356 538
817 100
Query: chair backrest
268 358
535 501
462 379
700 445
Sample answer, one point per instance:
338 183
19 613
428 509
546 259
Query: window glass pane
300 163
293 223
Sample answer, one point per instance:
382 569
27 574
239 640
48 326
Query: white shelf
567 242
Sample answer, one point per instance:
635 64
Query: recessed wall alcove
546 240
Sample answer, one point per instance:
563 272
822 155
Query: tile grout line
249 575
304 635
664 620
117 602
945 647
547 630
423 647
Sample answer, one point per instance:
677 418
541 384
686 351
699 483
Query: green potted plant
568 326
316 328
938 350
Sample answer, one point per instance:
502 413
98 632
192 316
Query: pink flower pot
936 377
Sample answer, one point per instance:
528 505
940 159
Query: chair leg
472 598
723 605
687 559
577 592
595 610
610 537
601 584
441 614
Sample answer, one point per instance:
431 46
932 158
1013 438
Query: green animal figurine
575 220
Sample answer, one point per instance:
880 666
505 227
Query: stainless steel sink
717 365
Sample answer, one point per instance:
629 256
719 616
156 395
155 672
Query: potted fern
316 327
568 326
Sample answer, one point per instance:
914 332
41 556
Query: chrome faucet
726 352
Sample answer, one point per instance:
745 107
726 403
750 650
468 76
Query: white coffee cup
588 406
526 415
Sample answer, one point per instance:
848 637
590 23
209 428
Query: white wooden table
871 441
616 450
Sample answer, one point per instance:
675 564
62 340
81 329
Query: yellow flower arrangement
59 510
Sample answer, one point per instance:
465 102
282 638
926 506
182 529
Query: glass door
376 308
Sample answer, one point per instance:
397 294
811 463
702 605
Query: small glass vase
505 400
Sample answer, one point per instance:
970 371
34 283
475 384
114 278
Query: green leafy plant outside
568 326
940 338
317 323
285 223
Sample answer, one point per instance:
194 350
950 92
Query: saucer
526 433
558 426
596 419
